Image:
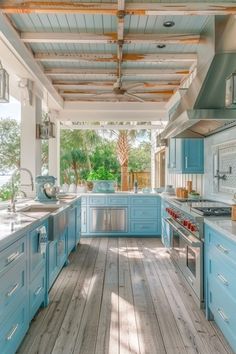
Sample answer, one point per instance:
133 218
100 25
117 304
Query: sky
11 109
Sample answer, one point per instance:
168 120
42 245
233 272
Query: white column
31 113
153 164
54 150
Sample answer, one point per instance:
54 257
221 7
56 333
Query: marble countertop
225 226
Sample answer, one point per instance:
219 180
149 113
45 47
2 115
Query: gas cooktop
213 211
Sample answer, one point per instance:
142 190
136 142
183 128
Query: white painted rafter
65 125
107 57
94 38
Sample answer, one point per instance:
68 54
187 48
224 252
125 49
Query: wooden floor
121 296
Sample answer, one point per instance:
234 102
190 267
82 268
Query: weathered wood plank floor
121 296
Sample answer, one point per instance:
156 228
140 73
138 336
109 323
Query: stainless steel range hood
201 111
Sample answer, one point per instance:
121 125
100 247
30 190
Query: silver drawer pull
11 292
13 256
222 249
222 315
222 279
38 291
13 331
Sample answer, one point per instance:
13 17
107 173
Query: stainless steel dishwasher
103 219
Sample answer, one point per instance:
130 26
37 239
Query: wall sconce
46 129
4 85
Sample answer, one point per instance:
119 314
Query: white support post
54 150
30 146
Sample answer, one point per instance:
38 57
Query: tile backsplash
220 154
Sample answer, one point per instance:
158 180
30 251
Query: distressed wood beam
108 38
106 57
108 93
141 9
105 73
111 126
96 87
121 99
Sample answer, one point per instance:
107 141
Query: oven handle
187 239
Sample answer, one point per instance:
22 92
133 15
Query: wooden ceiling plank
100 57
87 126
108 38
141 9
105 73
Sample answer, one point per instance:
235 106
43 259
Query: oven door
187 252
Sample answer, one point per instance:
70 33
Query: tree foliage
10 144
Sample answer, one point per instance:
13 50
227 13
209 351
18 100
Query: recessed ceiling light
161 46
168 24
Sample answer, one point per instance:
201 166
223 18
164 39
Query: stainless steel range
186 222
186 234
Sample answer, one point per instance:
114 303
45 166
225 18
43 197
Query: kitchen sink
40 208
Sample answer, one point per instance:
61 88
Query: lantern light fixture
4 85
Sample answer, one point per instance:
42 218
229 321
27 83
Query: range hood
201 111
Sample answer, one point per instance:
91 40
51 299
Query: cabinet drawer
13 331
221 246
144 213
145 201
13 288
97 200
37 259
223 274
37 293
143 227
13 254
117 200
223 308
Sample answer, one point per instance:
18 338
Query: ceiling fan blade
131 86
134 96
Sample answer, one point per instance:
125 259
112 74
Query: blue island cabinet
72 216
220 285
14 295
186 156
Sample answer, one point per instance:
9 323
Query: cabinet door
83 219
78 224
37 259
62 249
52 262
71 227
193 159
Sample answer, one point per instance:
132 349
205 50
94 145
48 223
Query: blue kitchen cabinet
14 295
165 228
78 221
186 156
220 286
37 267
72 215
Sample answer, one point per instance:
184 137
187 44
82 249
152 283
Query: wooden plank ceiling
113 51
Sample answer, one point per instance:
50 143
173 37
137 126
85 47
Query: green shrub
101 174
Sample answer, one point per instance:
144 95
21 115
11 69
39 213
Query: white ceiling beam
11 37
112 126
109 73
140 9
106 57
93 38
103 86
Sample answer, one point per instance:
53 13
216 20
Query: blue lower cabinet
78 223
72 215
14 329
144 228
165 228
52 263
220 275
37 293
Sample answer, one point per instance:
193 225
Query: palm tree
123 148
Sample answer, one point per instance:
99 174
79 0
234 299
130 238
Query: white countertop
227 227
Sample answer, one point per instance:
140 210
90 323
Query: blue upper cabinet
186 156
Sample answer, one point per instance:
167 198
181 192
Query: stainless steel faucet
12 205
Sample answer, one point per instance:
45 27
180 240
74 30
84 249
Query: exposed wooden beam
141 9
93 38
105 73
91 92
65 125
104 57
11 37
115 99
94 87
